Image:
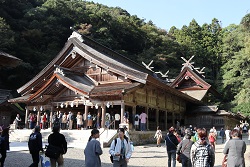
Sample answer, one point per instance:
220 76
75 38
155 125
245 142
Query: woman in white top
79 121
120 149
158 136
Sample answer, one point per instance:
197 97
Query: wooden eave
8 60
171 90
109 61
113 89
48 71
103 60
65 82
181 78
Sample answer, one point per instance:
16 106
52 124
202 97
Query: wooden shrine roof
113 89
197 87
44 83
8 60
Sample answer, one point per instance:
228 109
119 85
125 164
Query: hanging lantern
108 104
72 104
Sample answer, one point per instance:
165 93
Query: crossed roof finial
148 66
188 62
163 75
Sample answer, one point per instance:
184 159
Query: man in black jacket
57 139
171 144
35 146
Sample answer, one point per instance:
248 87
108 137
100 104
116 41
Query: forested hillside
36 30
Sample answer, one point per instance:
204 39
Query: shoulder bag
53 151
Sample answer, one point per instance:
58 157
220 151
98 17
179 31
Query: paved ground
146 156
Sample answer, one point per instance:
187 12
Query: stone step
74 137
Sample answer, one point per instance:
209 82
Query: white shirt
117 117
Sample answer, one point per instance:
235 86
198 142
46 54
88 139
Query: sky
166 13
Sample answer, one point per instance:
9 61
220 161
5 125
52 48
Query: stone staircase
74 138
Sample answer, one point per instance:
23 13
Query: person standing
171 144
64 121
70 119
60 114
79 121
158 136
184 149
211 138
90 121
120 149
222 135
98 120
5 145
235 149
35 146
44 120
202 154
136 122
93 150
32 121
117 120
143 118
227 133
58 140
17 119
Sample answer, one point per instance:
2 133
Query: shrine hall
88 77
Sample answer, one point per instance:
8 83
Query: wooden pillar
181 119
133 116
122 111
26 117
98 118
51 115
103 116
86 111
166 120
38 117
173 119
157 117
147 119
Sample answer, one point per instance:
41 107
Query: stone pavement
143 156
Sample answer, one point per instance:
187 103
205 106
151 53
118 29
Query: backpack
202 155
136 118
111 156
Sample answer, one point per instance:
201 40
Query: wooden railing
106 128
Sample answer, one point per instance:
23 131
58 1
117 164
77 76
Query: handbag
111 158
224 161
53 151
178 158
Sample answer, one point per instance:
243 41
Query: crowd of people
197 148
70 120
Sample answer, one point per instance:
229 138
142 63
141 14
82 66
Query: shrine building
88 77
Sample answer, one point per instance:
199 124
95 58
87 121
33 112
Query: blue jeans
172 158
186 162
143 126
